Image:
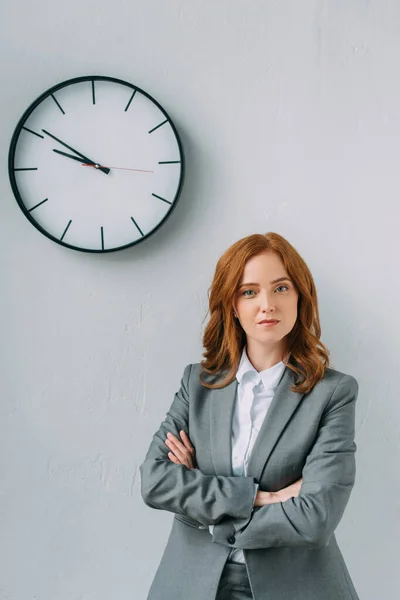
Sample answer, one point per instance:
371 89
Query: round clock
96 164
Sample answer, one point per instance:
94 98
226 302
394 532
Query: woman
256 455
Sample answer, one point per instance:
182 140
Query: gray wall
289 116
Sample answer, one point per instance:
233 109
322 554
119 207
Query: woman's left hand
181 454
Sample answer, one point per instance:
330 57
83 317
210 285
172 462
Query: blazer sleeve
328 478
178 489
256 486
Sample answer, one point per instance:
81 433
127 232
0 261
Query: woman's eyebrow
273 281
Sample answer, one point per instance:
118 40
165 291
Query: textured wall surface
289 117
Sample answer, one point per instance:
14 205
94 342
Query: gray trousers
234 583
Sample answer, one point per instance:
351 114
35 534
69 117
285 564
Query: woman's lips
268 323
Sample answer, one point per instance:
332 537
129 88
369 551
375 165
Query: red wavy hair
224 337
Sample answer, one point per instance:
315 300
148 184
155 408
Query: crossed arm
175 488
311 518
227 502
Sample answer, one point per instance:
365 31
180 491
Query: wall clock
96 164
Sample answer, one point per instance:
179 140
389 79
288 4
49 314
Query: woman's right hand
291 491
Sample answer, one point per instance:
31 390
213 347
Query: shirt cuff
256 486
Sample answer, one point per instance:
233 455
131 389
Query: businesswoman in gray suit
256 455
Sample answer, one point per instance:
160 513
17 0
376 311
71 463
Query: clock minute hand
104 169
78 158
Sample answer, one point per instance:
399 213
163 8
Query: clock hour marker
34 132
57 102
130 100
102 239
93 98
159 197
27 169
141 232
157 126
65 230
33 207
168 162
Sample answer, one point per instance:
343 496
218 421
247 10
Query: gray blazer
289 547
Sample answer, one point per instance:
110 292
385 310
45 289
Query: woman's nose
267 301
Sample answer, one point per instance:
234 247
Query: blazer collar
283 405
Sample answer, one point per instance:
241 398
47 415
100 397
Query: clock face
96 164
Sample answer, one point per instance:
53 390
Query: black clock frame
17 131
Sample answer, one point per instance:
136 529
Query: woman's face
266 298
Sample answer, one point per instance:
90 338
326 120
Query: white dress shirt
254 395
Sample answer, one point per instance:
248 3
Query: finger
181 455
173 458
186 440
178 443
190 449
176 460
184 451
182 458
173 439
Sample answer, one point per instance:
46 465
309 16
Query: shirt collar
270 377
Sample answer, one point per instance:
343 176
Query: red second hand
120 168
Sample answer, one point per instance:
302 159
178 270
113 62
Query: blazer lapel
222 401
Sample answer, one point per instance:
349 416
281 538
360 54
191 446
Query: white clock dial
96 164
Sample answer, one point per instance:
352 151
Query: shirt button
231 539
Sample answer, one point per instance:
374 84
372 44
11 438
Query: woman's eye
279 286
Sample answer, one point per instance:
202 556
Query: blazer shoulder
334 377
339 385
197 372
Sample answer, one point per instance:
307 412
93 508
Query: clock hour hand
85 158
79 159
